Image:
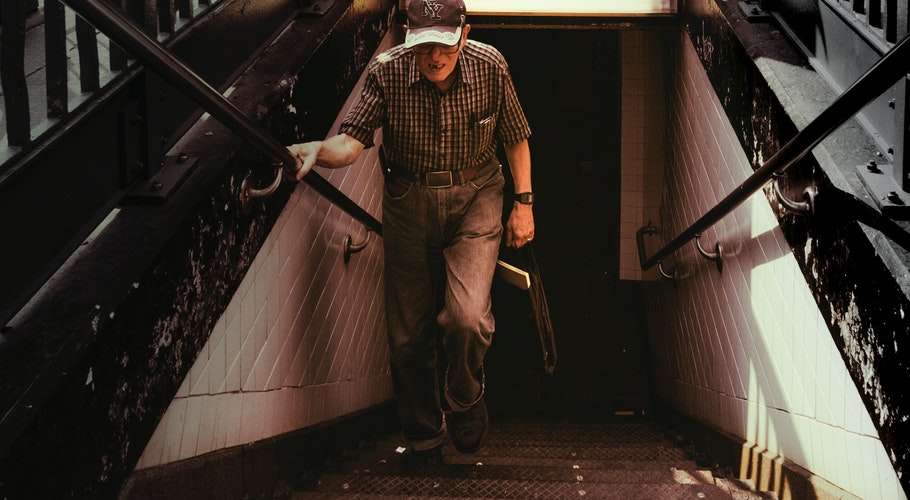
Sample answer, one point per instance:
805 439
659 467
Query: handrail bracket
716 256
804 207
640 239
660 268
642 253
249 193
351 248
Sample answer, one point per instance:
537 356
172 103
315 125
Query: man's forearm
338 151
519 156
335 152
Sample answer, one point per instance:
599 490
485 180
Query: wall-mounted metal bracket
893 201
351 248
660 267
249 193
716 256
805 207
640 239
174 170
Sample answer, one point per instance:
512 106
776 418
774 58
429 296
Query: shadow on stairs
528 457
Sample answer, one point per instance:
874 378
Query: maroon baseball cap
434 21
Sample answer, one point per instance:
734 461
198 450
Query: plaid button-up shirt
425 130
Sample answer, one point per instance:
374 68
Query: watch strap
525 198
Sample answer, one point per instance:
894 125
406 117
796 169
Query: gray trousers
441 246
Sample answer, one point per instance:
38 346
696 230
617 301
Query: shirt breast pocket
482 133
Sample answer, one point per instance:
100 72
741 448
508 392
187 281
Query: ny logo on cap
431 9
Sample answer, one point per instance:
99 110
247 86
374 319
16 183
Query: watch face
525 198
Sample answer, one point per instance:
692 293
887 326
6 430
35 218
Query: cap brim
443 35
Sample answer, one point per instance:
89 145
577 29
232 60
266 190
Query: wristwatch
526 198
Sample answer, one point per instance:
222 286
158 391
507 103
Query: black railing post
185 8
89 66
167 17
15 88
55 56
902 22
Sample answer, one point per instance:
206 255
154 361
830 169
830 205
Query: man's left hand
520 228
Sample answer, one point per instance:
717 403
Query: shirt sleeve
366 116
513 125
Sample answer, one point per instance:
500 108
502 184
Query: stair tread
444 487
380 464
564 473
385 466
555 433
494 452
566 425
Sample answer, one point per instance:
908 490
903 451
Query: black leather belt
442 178
438 179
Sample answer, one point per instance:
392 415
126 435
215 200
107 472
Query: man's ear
464 32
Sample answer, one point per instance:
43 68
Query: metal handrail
882 76
121 29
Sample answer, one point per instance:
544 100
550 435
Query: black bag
524 332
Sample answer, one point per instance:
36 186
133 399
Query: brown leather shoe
468 428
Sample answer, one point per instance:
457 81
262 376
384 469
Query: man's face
437 62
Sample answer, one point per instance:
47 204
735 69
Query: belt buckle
441 179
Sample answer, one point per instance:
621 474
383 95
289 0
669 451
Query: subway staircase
528 457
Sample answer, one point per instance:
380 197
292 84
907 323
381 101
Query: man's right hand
335 152
305 156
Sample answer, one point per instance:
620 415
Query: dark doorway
568 81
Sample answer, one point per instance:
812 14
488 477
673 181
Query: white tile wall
746 349
302 341
641 161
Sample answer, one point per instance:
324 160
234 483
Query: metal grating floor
533 458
